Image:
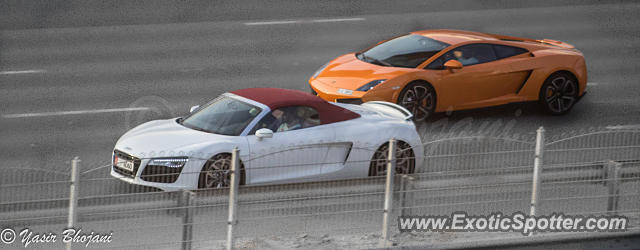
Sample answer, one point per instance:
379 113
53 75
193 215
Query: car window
224 115
467 55
405 51
289 118
504 51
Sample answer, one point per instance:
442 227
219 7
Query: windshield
406 51
224 115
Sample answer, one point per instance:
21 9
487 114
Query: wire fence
351 193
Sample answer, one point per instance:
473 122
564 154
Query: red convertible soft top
277 98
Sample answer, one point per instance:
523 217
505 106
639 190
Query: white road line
338 20
272 22
15 72
75 112
307 21
592 84
623 127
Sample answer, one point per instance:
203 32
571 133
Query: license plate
124 164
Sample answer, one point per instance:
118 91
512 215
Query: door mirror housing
264 133
452 64
193 108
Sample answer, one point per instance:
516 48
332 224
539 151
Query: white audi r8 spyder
283 136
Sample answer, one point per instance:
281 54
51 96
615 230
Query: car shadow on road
507 111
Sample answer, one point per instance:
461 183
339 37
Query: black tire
216 173
406 162
559 93
419 98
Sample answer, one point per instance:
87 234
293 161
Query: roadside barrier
594 173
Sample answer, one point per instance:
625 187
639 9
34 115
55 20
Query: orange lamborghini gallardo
438 70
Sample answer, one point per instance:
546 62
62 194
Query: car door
481 81
342 163
293 154
510 59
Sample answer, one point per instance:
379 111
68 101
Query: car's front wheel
559 93
419 98
216 173
405 160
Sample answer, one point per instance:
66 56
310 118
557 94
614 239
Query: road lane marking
306 21
15 72
75 112
338 20
272 22
624 127
592 84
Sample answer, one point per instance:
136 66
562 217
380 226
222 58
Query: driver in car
465 58
290 121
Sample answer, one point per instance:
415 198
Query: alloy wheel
419 99
217 174
560 94
404 159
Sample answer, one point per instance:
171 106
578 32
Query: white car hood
167 138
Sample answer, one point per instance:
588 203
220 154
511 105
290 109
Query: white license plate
125 164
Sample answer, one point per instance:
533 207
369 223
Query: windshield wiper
377 61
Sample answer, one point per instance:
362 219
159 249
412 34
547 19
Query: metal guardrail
613 183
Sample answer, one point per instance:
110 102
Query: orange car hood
348 72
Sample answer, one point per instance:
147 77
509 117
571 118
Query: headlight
169 162
370 85
315 75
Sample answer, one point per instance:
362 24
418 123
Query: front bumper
335 94
187 179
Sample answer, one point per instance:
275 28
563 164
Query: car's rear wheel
405 160
419 98
216 173
559 93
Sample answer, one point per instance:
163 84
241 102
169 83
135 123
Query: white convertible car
283 136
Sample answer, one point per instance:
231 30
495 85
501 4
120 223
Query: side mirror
264 133
193 108
452 64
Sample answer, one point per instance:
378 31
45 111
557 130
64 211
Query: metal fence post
233 200
178 212
388 192
406 196
613 185
187 218
537 168
73 195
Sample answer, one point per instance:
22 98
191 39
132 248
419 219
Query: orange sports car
439 70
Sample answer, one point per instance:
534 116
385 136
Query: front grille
161 174
350 100
127 173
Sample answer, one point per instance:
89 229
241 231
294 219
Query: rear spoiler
389 108
556 43
544 41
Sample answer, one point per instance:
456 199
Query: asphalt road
119 75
